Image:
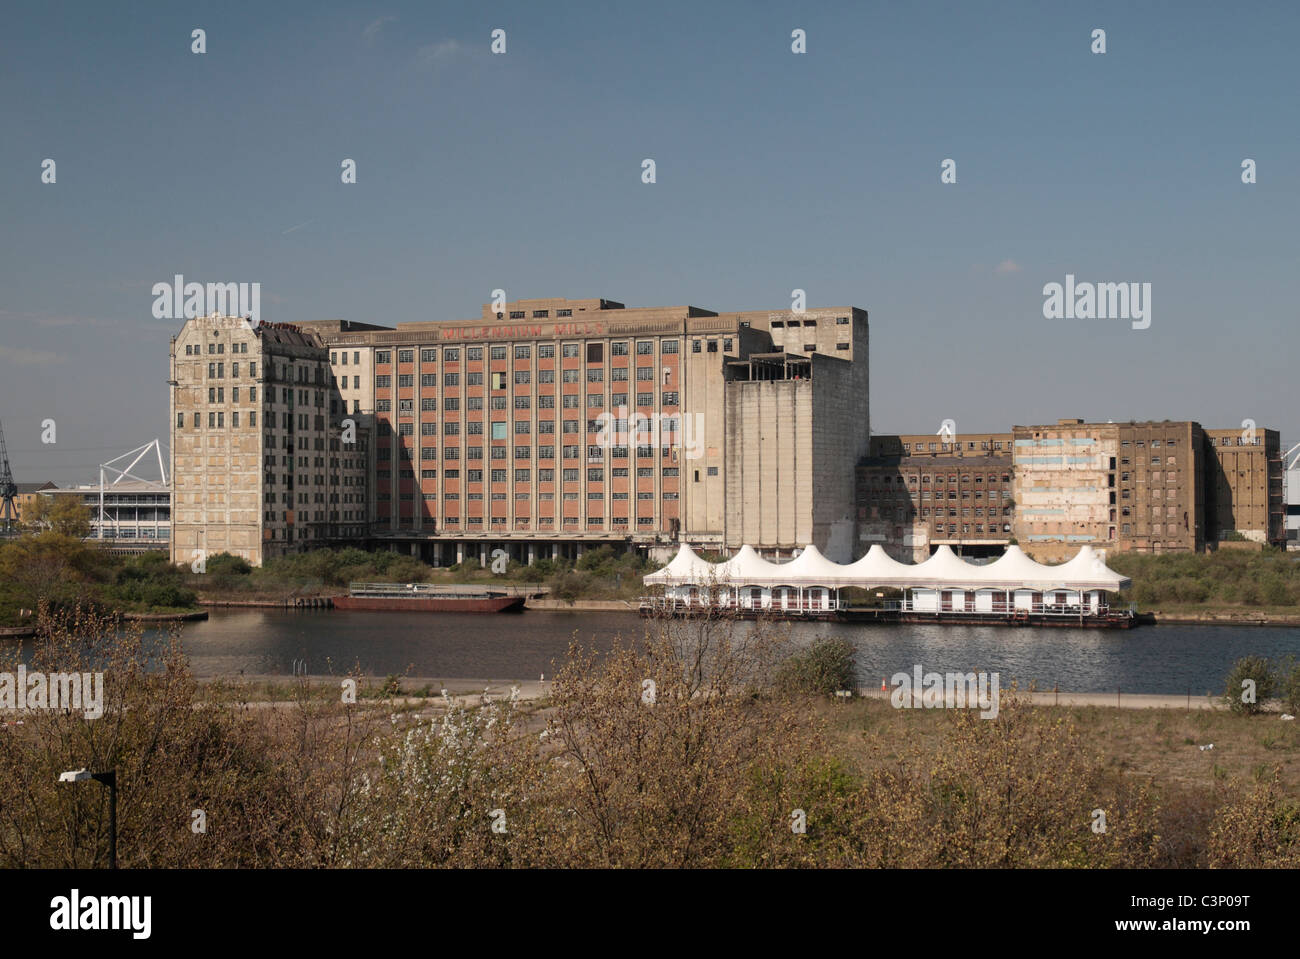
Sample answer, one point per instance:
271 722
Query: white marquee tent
1087 570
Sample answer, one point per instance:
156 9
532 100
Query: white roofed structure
1087 570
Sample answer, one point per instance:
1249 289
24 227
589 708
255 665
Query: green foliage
227 563
1288 673
824 667
1255 668
1267 577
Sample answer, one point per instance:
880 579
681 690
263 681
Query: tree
65 515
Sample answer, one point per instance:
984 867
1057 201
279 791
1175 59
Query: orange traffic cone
883 687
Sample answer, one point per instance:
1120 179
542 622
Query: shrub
1259 829
824 667
228 563
1289 681
1236 696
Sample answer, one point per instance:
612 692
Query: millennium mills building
543 427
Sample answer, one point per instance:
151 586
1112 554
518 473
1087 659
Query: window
406 356
546 376
451 379
569 376
523 376
695 346
405 380
618 374
546 351
498 381
499 430
570 350
596 375
428 379
426 356
429 403
541 314
546 402
473 379
645 374
524 402
670 399
383 356
522 427
668 346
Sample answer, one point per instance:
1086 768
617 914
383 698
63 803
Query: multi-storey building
258 462
129 516
942 444
1142 486
548 425
1243 486
962 496
1125 486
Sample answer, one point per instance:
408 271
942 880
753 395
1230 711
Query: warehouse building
259 465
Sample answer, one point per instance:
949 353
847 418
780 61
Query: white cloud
372 30
1008 266
433 54
25 357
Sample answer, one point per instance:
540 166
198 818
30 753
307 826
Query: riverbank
417 690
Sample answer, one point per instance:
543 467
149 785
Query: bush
824 667
228 563
1237 697
1289 681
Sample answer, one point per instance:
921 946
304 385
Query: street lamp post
109 779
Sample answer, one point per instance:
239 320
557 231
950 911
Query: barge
428 598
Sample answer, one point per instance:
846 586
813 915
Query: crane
8 488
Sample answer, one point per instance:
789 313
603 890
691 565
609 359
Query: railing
725 604
1033 609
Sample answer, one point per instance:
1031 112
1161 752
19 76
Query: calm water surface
1149 659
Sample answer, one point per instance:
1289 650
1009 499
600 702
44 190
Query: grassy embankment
599 574
1226 583
65 571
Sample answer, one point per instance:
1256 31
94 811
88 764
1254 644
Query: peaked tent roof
944 569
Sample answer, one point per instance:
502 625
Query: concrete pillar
482 555
555 551
460 552
532 553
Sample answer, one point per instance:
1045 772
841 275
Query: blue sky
775 171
